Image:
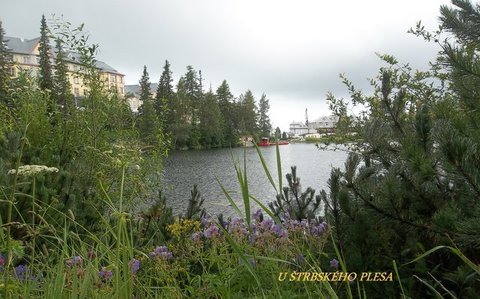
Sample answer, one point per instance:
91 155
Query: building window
26 59
13 72
121 79
112 78
76 92
75 67
76 80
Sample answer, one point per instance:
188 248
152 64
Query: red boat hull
267 143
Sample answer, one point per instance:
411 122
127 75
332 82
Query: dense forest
193 118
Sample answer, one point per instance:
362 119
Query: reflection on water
183 169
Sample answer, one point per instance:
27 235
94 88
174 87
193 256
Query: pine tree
278 133
193 92
227 108
45 77
63 90
148 123
5 66
165 95
294 203
195 208
458 135
264 125
248 113
145 93
165 87
414 177
181 124
211 121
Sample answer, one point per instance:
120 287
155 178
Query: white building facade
323 124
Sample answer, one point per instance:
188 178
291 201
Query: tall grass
205 258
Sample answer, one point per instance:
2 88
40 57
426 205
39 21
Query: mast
306 117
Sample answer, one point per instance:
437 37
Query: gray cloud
291 50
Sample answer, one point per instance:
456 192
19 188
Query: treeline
195 118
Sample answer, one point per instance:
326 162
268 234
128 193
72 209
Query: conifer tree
458 135
193 92
227 107
145 93
63 95
45 76
295 203
148 123
5 66
211 121
248 113
414 177
165 95
264 125
181 125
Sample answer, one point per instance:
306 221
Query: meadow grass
253 255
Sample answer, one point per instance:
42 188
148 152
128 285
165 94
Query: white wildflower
31 170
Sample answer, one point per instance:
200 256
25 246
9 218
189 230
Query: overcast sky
293 51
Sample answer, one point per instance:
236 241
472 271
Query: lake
183 169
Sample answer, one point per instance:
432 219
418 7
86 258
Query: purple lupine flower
304 223
134 265
285 217
20 272
196 237
318 229
334 263
266 224
161 251
105 274
277 228
212 231
167 255
243 231
294 223
258 216
253 237
204 220
236 221
76 260
283 234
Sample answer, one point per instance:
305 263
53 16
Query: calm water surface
183 169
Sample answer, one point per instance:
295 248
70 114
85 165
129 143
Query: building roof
135 88
26 46
20 45
105 67
329 118
296 123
